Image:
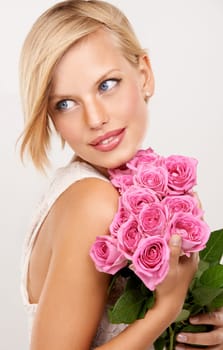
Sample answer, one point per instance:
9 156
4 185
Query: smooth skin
89 100
74 293
213 339
71 294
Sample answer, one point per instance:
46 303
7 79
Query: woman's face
97 101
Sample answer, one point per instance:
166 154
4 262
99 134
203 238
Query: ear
147 78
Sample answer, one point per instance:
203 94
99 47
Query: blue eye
65 105
108 84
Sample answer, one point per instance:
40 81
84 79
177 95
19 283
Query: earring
147 95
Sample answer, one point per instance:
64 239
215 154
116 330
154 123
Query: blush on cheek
132 104
134 114
70 130
138 111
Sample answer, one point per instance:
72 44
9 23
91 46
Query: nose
95 113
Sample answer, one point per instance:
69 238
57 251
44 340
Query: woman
84 73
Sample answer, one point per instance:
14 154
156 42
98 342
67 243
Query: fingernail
194 319
175 240
182 337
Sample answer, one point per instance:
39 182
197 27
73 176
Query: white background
184 41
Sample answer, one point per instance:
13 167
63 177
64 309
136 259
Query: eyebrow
60 97
103 77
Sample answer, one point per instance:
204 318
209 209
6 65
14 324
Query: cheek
134 107
69 131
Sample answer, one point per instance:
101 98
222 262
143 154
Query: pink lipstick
108 141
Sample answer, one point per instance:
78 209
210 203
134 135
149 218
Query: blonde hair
54 32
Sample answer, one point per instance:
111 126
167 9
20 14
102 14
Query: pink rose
193 230
156 201
152 177
106 256
122 182
129 236
182 173
121 178
153 219
150 261
135 197
120 217
147 156
122 170
183 203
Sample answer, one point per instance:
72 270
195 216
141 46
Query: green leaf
213 277
183 315
204 295
148 304
214 248
127 308
143 311
196 328
217 302
195 309
202 266
150 301
145 291
159 343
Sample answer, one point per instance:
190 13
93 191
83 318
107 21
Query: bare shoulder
92 191
73 288
86 202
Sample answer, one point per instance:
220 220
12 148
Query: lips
108 141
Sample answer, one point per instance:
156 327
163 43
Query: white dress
64 177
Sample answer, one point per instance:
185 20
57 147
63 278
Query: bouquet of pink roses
157 200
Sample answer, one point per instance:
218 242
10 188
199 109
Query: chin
121 160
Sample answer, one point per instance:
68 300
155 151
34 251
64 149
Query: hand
173 289
212 340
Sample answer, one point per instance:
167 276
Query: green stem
172 334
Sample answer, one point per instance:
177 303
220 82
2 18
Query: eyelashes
109 84
64 105
104 87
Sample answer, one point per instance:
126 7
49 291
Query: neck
101 170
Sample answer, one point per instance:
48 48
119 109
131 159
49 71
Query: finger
191 263
198 199
212 338
214 318
189 347
175 250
